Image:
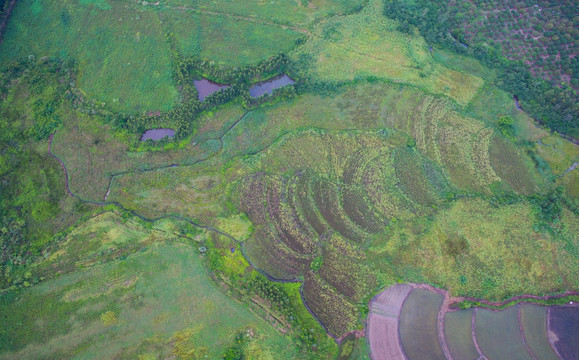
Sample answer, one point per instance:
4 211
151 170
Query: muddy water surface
157 134
267 87
207 87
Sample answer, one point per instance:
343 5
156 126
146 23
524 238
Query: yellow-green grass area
367 44
458 334
227 41
464 63
567 248
93 151
104 237
476 249
510 164
491 103
571 183
418 325
288 12
121 51
156 303
197 192
559 153
534 325
354 348
498 334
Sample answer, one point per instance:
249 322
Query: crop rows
333 309
329 211
327 201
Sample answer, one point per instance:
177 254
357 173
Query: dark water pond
267 87
157 134
207 87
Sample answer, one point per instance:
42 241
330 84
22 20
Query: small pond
207 87
267 87
157 134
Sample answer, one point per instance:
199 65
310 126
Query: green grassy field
156 300
292 12
124 59
368 45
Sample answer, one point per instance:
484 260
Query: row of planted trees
557 108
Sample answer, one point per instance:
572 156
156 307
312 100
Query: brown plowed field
382 327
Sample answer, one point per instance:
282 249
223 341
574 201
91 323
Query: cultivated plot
419 324
383 322
458 334
564 330
534 327
498 335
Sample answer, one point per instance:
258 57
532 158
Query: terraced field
386 162
402 324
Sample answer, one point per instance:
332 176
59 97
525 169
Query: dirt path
571 168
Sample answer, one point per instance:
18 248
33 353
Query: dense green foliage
33 205
443 22
3 5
